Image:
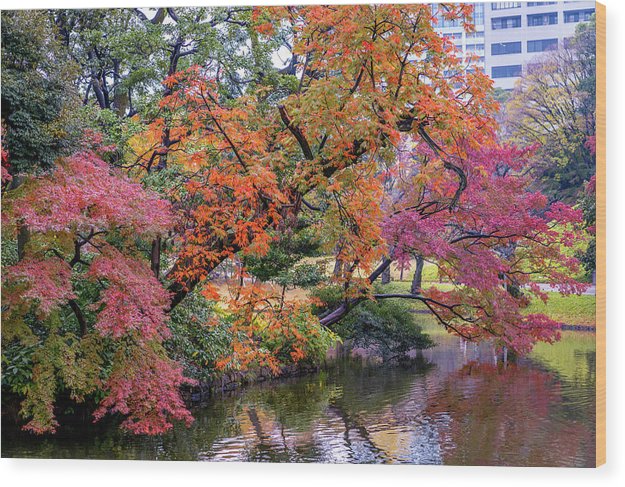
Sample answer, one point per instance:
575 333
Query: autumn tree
367 75
82 300
553 106
490 250
243 169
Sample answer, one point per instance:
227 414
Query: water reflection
455 404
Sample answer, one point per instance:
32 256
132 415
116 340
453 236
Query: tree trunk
338 263
80 317
386 275
22 239
338 268
331 317
415 288
155 260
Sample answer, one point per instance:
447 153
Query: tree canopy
254 138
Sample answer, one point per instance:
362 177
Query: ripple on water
460 405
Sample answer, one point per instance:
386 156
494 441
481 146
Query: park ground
566 309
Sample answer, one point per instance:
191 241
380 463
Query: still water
456 404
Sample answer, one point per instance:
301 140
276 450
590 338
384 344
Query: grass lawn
429 275
571 310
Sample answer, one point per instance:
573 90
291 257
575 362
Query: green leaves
302 275
553 106
39 98
194 343
390 327
285 252
17 366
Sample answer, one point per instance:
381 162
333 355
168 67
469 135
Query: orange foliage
367 74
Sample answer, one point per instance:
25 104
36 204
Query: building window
505 48
475 35
540 4
441 21
453 35
450 73
542 45
478 14
444 23
504 5
506 22
512 71
578 15
475 47
542 19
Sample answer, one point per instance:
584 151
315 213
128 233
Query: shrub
388 326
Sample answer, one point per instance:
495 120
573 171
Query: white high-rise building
516 32
510 34
468 43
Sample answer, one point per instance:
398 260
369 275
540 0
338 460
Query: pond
454 404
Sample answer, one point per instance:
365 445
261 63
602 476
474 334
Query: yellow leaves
40 243
482 170
421 180
14 327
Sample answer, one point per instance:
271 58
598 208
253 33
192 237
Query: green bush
328 296
388 326
196 344
281 261
302 275
17 366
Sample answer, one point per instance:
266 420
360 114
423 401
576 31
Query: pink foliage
530 329
134 301
84 194
38 428
93 141
499 317
591 186
145 388
500 235
48 282
591 144
5 177
84 199
563 213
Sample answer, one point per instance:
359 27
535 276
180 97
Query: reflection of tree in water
298 403
326 416
511 416
461 410
80 439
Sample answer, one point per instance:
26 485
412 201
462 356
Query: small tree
82 300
